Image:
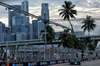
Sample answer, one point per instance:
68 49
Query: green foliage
88 24
77 43
89 43
69 40
66 39
50 34
68 12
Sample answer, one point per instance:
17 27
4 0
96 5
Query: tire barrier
39 63
23 63
64 61
76 59
70 60
57 62
49 62
45 63
88 59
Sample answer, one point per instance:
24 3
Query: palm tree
69 40
88 24
66 39
77 43
50 34
88 43
68 12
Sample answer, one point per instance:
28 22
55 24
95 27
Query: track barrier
44 63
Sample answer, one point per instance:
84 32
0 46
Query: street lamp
45 35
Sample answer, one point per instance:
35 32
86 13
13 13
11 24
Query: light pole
45 22
45 44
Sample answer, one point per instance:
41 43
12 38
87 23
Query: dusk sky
83 7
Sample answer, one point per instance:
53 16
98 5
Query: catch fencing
34 54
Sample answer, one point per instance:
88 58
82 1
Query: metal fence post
64 53
49 54
6 51
61 53
16 52
32 53
25 53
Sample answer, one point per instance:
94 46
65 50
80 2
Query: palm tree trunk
88 33
72 30
71 26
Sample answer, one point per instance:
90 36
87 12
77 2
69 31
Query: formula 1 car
75 62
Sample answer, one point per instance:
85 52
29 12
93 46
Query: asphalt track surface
83 63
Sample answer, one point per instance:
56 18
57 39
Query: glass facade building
11 14
2 31
16 24
25 28
35 29
45 11
21 36
24 6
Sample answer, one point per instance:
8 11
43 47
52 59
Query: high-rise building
41 27
30 32
25 28
2 27
2 32
2 37
11 14
16 24
8 38
44 15
13 37
24 6
35 29
45 11
21 36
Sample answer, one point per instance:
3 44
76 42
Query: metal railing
35 54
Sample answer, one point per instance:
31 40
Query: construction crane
32 15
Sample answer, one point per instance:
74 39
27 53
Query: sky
83 7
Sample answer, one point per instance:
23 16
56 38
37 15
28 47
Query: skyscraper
24 28
35 29
16 24
2 27
2 31
45 11
41 27
44 15
11 14
24 6
21 36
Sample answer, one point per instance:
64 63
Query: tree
50 34
68 12
88 43
77 43
69 40
88 24
66 39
